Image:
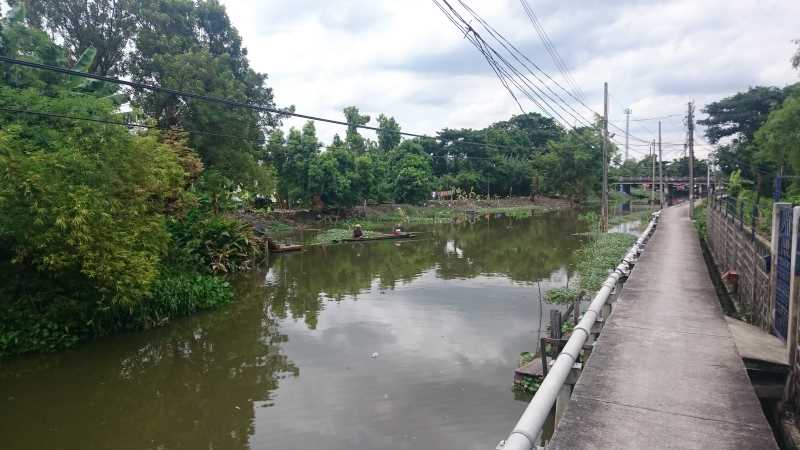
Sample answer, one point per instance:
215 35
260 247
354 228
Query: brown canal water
383 345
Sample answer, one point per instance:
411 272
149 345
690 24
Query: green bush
218 243
561 296
700 220
25 330
180 294
32 325
599 257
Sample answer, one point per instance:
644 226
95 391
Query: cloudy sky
405 59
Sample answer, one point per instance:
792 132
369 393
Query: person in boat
398 230
357 232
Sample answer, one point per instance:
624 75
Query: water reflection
190 385
446 317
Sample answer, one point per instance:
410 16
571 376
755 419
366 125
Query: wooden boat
286 248
380 237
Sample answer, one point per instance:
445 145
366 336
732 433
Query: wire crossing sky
406 59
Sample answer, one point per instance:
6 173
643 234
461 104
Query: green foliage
180 294
337 234
292 159
84 201
192 46
413 182
24 330
332 177
108 26
26 327
527 385
218 243
388 133
562 296
738 118
355 143
599 256
778 140
592 219
569 167
700 220
735 183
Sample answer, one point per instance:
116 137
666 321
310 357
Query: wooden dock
665 372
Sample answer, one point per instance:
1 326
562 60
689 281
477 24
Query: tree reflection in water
196 383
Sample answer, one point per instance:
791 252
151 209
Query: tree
106 25
741 115
738 118
292 160
778 141
353 140
388 133
83 203
572 166
413 182
192 46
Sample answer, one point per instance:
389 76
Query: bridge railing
527 429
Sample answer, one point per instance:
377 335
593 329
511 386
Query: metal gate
783 271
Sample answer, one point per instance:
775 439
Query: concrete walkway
665 373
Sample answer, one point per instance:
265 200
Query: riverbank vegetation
601 253
757 148
103 228
122 207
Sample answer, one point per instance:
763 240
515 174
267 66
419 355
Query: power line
645 119
551 49
131 125
516 54
220 100
127 124
185 94
502 40
483 46
475 38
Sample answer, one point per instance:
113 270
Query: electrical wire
185 94
220 100
130 125
551 49
517 54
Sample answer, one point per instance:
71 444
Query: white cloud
406 60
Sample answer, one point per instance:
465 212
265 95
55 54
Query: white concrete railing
525 433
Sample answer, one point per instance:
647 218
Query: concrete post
791 335
774 256
562 400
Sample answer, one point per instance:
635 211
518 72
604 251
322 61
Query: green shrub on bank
700 220
37 326
561 296
180 294
216 242
599 257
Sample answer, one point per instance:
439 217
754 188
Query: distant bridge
667 180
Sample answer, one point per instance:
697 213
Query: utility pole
690 122
604 220
660 166
627 127
653 177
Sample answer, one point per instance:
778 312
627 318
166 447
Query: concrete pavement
665 372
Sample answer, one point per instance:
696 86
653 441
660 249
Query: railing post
555 324
741 215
